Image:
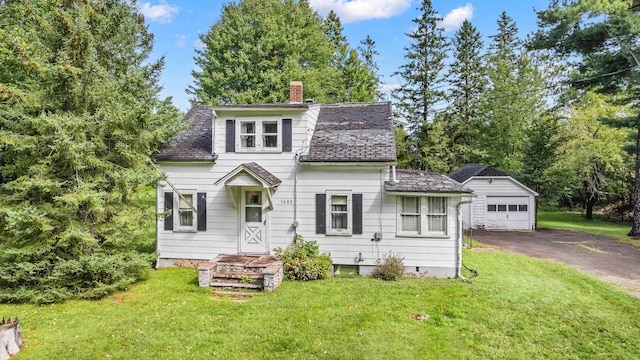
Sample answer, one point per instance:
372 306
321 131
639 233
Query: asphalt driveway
597 255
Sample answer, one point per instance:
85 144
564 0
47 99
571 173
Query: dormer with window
259 135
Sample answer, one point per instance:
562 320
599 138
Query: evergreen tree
467 81
259 46
79 117
513 100
368 54
601 36
332 27
422 78
356 81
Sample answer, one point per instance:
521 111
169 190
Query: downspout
296 163
295 195
459 232
157 222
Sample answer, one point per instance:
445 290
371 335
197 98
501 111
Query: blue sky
177 25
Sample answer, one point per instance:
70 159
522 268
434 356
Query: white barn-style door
253 223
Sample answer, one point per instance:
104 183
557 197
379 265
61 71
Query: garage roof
467 171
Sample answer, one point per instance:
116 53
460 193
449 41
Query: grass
518 308
575 221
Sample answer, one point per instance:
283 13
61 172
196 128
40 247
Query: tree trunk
589 207
635 225
10 338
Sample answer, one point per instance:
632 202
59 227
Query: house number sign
286 201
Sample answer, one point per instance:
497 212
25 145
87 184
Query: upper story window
258 135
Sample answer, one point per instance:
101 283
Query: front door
253 233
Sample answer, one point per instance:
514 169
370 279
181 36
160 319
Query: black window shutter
230 141
321 210
168 206
357 213
202 211
286 135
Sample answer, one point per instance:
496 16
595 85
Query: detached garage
501 202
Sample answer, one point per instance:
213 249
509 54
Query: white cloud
181 39
162 12
388 88
454 19
351 11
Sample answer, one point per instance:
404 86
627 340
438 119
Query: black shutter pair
321 213
201 205
230 140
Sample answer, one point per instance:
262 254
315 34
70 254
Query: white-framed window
410 214
259 135
436 215
339 213
422 216
185 218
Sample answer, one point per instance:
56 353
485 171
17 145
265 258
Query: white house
502 203
245 179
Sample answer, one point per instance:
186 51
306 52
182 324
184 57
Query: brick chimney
295 92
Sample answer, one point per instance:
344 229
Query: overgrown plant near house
80 114
390 267
303 261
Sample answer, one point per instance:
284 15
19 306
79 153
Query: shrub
303 261
390 267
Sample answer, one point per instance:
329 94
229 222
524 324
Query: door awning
249 175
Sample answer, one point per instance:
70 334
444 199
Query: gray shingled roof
254 170
357 132
266 176
467 171
422 181
193 144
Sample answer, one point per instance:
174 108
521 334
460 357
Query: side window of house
437 215
185 219
410 214
185 211
422 216
338 213
338 217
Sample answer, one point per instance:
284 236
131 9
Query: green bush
303 261
390 267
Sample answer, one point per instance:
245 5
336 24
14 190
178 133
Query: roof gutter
346 163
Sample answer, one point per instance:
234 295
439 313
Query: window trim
423 226
328 212
176 205
258 135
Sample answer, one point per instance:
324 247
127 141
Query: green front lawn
565 220
518 308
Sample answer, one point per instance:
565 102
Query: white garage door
508 213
